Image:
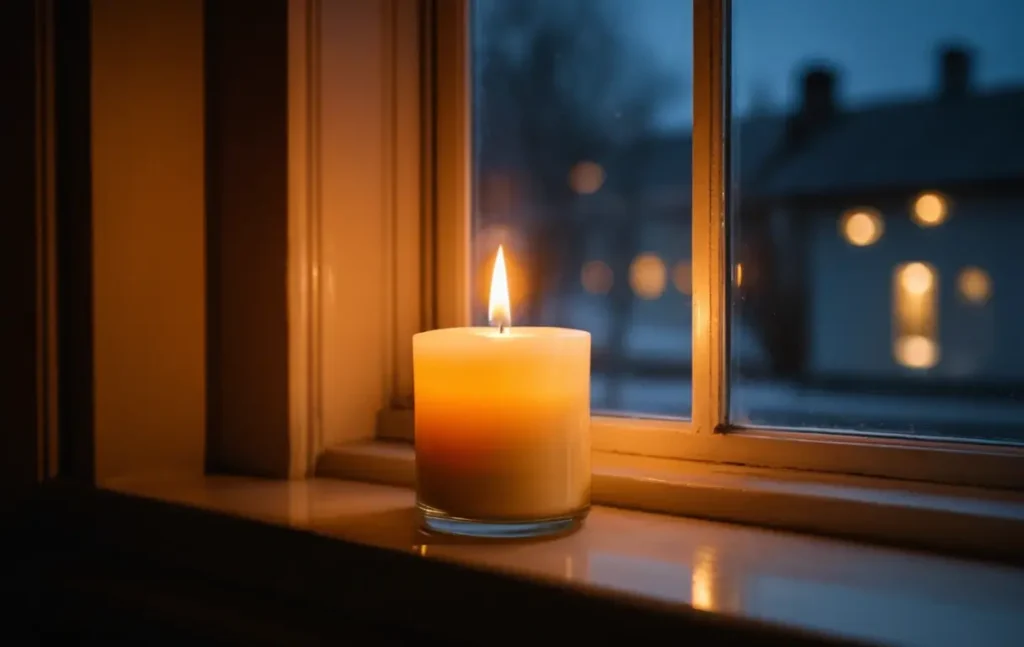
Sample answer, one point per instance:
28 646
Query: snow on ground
662 331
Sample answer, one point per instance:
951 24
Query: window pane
877 216
581 132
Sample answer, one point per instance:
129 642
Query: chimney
956 72
818 103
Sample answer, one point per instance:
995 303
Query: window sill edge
952 520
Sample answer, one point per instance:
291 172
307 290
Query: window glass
581 169
877 216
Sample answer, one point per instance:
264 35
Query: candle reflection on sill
702 582
717 581
562 562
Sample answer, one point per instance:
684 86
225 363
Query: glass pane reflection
878 215
581 129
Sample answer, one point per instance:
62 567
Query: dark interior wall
19 254
72 120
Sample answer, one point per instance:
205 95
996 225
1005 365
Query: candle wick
501 329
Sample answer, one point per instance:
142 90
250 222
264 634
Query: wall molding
356 217
304 337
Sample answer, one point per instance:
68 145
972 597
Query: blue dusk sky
881 48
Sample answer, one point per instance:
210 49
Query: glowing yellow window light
916 351
861 227
647 276
930 209
917 278
915 315
974 285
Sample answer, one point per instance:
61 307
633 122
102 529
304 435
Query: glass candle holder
502 430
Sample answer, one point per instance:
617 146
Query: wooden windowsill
732 575
953 520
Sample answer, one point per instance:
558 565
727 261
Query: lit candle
502 424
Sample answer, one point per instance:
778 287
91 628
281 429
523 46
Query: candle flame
499 312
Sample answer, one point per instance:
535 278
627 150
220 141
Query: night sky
881 47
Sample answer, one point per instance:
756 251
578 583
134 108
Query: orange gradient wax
503 421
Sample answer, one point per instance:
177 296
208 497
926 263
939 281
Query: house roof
915 144
756 141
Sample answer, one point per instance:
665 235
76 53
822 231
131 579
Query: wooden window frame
442 227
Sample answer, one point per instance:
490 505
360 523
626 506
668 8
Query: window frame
358 287
442 229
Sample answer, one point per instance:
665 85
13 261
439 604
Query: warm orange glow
916 278
974 285
492 404
647 276
915 315
930 209
916 351
586 178
739 274
861 228
702 586
682 277
499 312
596 277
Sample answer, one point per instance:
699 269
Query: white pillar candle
502 419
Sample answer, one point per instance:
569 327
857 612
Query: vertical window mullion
709 238
453 146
